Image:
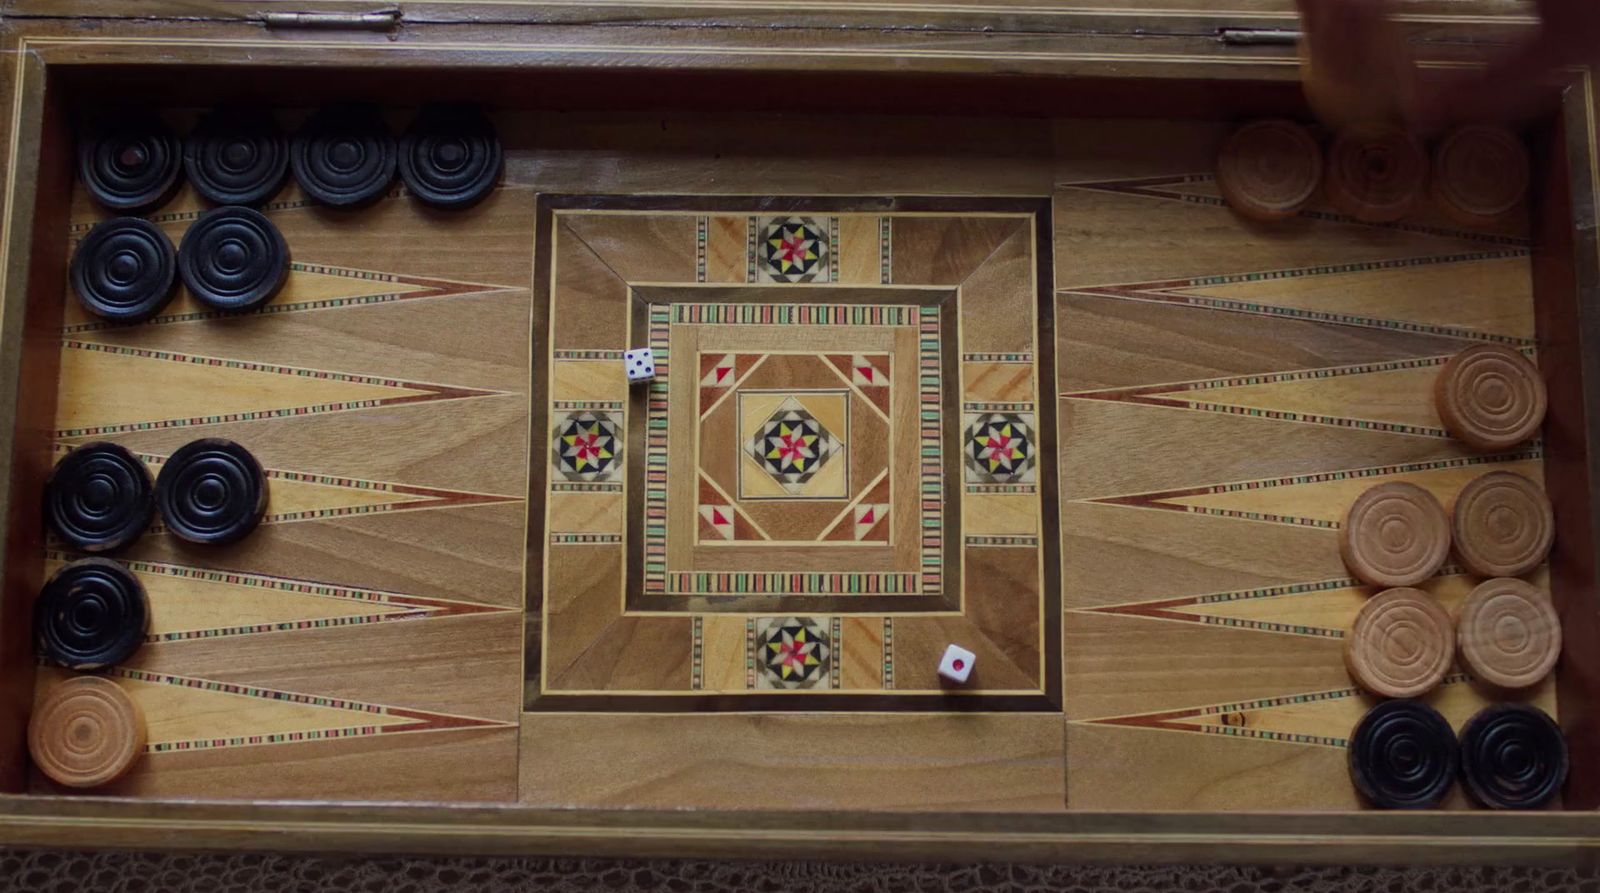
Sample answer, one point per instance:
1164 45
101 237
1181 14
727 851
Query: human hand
1356 67
1359 67
1515 84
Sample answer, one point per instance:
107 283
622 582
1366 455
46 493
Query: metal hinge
378 20
1242 37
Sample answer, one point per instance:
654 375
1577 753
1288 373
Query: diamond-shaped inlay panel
794 445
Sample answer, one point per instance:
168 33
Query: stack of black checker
233 258
99 499
1404 755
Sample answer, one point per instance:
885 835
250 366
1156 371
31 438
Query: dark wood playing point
1066 336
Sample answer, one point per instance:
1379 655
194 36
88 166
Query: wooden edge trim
1566 277
30 286
1150 16
1371 837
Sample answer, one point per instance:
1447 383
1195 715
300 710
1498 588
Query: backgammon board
940 358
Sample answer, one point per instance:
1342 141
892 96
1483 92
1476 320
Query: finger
1510 89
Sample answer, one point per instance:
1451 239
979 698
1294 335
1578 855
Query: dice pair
956 665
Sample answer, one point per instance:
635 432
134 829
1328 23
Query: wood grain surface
402 484
370 642
1207 476
384 390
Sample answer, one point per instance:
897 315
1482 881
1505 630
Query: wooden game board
544 609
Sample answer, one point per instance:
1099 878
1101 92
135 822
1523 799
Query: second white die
641 364
956 665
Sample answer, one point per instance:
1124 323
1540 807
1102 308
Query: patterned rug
62 872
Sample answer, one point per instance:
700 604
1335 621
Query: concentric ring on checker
130 163
1403 755
86 732
124 270
233 259
1490 397
1480 173
1509 633
1502 524
1513 756
344 156
1378 176
90 615
1269 170
450 157
1400 645
99 497
211 491
236 155
1395 534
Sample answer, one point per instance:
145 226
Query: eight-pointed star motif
999 448
586 447
793 249
794 653
791 445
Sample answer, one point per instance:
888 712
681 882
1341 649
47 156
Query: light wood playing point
953 345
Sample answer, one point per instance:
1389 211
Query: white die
956 665
641 364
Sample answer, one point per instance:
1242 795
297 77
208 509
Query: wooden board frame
45 61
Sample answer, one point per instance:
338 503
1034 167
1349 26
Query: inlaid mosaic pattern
842 465
814 459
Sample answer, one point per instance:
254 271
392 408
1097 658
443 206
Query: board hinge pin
377 20
1258 36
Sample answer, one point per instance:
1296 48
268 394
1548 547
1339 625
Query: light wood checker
1395 534
1502 525
1376 174
1269 170
1400 645
1480 173
1491 397
1509 633
86 732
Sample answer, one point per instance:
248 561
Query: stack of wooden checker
1402 644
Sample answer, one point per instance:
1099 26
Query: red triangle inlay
867 518
717 518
